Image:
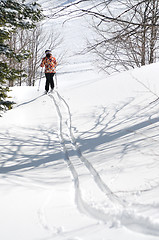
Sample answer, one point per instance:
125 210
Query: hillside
82 163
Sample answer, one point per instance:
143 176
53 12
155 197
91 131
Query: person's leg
47 82
51 80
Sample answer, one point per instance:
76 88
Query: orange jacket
50 64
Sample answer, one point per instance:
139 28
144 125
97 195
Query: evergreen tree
13 14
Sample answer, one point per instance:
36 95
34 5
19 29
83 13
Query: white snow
82 163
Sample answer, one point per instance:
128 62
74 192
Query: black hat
48 51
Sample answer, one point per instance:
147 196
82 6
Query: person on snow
50 64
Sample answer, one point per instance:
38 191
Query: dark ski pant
49 81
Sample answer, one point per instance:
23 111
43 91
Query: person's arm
55 62
42 63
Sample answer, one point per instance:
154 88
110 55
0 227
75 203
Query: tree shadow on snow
124 126
35 152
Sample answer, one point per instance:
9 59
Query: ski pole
40 78
56 79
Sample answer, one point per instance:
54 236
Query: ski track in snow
125 215
53 231
81 204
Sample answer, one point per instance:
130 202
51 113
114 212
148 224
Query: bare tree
42 39
127 31
32 44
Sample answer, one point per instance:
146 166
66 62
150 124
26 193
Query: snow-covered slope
82 163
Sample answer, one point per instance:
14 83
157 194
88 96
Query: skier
50 64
